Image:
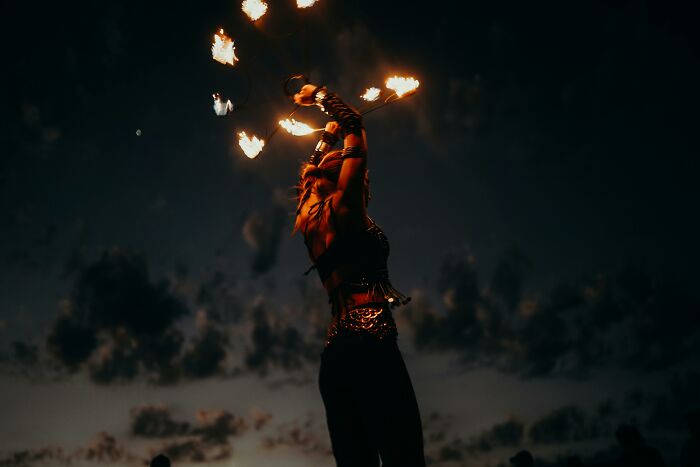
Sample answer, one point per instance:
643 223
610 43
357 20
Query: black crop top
362 254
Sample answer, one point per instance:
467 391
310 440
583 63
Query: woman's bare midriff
347 299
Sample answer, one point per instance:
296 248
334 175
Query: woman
371 408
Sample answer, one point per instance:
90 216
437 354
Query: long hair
329 169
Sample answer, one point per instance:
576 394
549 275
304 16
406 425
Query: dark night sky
539 192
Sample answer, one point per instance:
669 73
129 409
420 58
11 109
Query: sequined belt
373 321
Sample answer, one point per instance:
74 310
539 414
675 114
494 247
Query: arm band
353 152
326 143
349 119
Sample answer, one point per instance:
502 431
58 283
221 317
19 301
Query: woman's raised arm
351 181
352 173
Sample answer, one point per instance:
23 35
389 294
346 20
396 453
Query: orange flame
222 108
371 94
305 3
255 9
296 128
402 85
223 50
251 146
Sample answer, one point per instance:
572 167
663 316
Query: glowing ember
255 9
402 86
305 3
223 49
371 94
222 108
296 128
251 146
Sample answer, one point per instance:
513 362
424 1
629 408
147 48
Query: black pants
371 408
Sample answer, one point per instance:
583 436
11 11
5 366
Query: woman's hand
333 128
305 96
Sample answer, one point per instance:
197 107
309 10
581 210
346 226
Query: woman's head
323 178
328 168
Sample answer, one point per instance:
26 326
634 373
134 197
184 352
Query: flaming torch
251 146
305 3
223 50
296 128
255 9
402 86
371 94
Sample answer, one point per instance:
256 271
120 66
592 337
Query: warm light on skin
251 146
223 49
371 94
255 9
402 85
296 128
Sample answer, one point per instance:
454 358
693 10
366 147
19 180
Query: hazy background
539 193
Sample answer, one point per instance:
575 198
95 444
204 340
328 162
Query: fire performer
371 408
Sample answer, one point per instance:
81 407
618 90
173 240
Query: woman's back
322 218
361 354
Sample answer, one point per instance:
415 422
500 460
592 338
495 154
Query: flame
402 86
296 128
223 49
255 9
251 146
222 108
371 94
305 3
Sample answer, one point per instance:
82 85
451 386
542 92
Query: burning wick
255 9
305 3
402 86
223 50
296 128
371 94
222 108
251 146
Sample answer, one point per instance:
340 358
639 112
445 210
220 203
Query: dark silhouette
522 459
635 452
160 461
690 454
371 408
574 461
